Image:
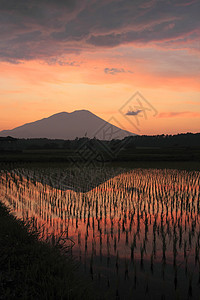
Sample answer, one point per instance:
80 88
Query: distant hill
68 126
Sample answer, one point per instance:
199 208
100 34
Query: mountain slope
65 125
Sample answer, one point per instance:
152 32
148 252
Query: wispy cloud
113 71
186 3
188 114
62 62
133 113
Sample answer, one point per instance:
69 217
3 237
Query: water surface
136 233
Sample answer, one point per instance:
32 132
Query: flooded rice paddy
136 233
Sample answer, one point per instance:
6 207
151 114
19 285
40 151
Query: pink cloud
187 3
188 114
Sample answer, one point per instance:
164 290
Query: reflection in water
138 232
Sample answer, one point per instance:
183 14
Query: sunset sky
66 55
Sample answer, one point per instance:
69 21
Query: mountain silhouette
68 126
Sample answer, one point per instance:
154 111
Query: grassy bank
31 269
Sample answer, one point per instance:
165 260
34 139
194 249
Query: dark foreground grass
32 269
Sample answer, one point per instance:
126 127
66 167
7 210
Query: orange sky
34 90
38 79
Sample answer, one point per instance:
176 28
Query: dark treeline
131 142
181 140
132 148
